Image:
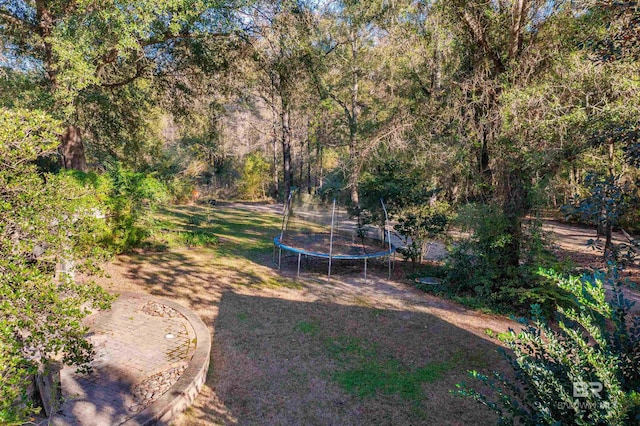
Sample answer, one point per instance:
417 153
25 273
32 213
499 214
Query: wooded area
483 115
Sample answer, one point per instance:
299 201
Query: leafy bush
45 219
255 177
132 197
128 199
608 201
180 189
476 266
417 224
595 344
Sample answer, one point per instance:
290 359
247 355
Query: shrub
417 224
476 266
594 343
44 219
131 197
255 177
126 199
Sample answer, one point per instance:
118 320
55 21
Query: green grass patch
197 239
345 348
232 231
366 371
389 377
307 327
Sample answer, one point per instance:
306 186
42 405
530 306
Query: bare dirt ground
570 242
290 351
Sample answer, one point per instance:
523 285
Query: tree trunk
308 165
485 170
286 149
274 144
515 206
71 147
353 125
72 150
609 250
355 173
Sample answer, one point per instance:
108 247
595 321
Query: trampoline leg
389 267
299 256
279 257
365 268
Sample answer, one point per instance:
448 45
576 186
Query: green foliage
127 199
399 183
418 224
45 220
256 174
409 199
595 342
131 198
180 189
195 239
476 266
609 198
307 327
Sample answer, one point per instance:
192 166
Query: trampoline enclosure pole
386 227
333 214
365 268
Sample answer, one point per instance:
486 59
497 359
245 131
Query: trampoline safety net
313 228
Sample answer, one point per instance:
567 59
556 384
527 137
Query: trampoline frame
389 252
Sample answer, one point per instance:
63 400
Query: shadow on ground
277 361
106 396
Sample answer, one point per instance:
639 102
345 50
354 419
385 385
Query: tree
83 50
523 98
348 69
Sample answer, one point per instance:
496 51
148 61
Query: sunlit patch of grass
234 243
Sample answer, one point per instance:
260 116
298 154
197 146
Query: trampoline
340 239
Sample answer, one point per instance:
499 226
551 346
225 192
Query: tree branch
17 21
139 70
477 32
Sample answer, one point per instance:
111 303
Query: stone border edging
182 394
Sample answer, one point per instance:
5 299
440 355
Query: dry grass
309 351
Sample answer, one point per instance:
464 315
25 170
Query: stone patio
145 368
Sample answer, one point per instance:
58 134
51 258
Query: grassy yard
307 351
